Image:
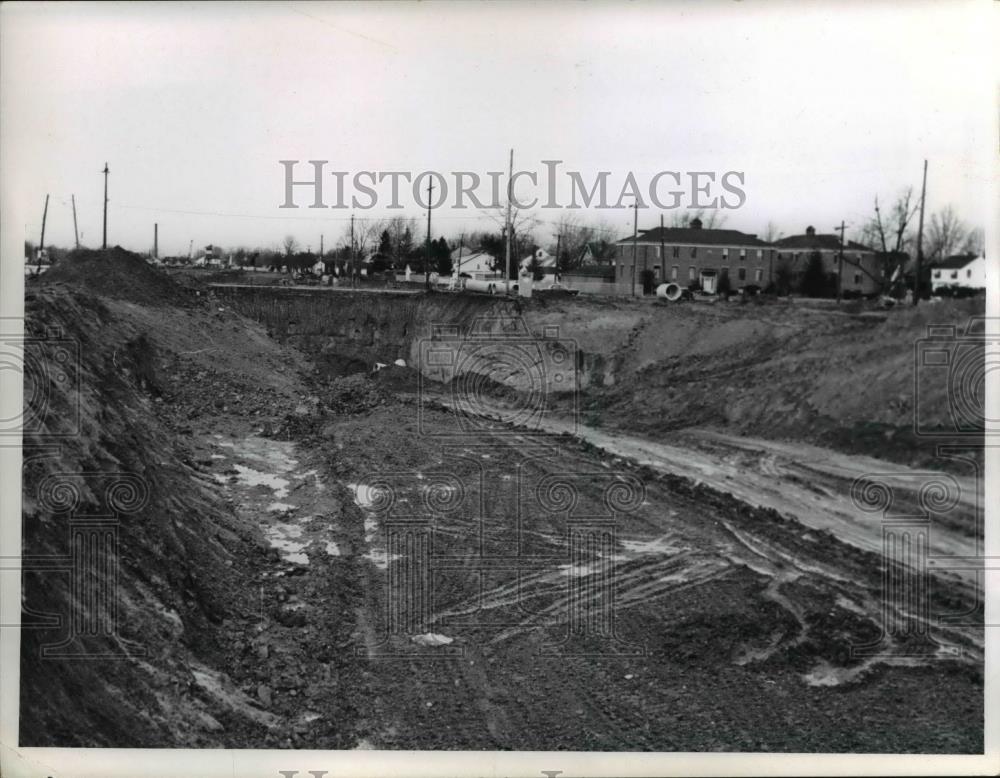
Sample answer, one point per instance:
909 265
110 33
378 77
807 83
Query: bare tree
573 235
771 233
290 245
946 234
975 242
523 225
889 230
710 219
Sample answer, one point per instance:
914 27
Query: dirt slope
122 412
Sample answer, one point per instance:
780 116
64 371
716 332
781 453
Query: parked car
558 290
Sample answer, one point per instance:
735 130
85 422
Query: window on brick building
758 274
694 252
725 254
857 278
677 251
691 273
673 272
743 274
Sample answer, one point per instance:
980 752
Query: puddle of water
332 548
655 546
217 456
380 558
432 639
280 507
250 477
285 538
576 571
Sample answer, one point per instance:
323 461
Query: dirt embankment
143 563
781 372
840 377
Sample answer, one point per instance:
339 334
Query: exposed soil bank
843 378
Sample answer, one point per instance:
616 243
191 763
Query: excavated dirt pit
380 577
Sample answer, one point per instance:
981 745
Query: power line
344 218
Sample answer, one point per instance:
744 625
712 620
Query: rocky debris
355 394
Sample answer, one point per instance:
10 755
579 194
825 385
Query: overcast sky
820 105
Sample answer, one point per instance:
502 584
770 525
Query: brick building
862 272
684 254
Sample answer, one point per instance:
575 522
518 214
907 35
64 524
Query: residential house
966 270
475 264
685 255
597 253
861 268
541 256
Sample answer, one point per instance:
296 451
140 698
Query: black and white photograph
499 388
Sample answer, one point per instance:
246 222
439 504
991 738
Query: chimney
695 223
810 230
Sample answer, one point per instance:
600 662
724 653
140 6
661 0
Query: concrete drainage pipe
671 292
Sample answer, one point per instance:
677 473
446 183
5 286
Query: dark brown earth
571 599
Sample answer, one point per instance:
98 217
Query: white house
961 270
544 258
477 264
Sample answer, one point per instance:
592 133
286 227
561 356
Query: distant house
861 268
597 253
966 270
541 256
685 255
475 264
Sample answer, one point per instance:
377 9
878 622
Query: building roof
696 236
810 240
956 262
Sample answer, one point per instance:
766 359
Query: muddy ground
325 563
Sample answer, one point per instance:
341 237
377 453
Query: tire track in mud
673 553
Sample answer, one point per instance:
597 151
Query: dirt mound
117 273
354 394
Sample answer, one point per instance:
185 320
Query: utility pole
104 240
508 231
840 263
321 247
76 234
190 249
427 259
353 280
156 240
41 242
920 238
461 249
635 243
558 254
663 254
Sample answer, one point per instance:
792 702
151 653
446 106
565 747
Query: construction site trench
449 521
